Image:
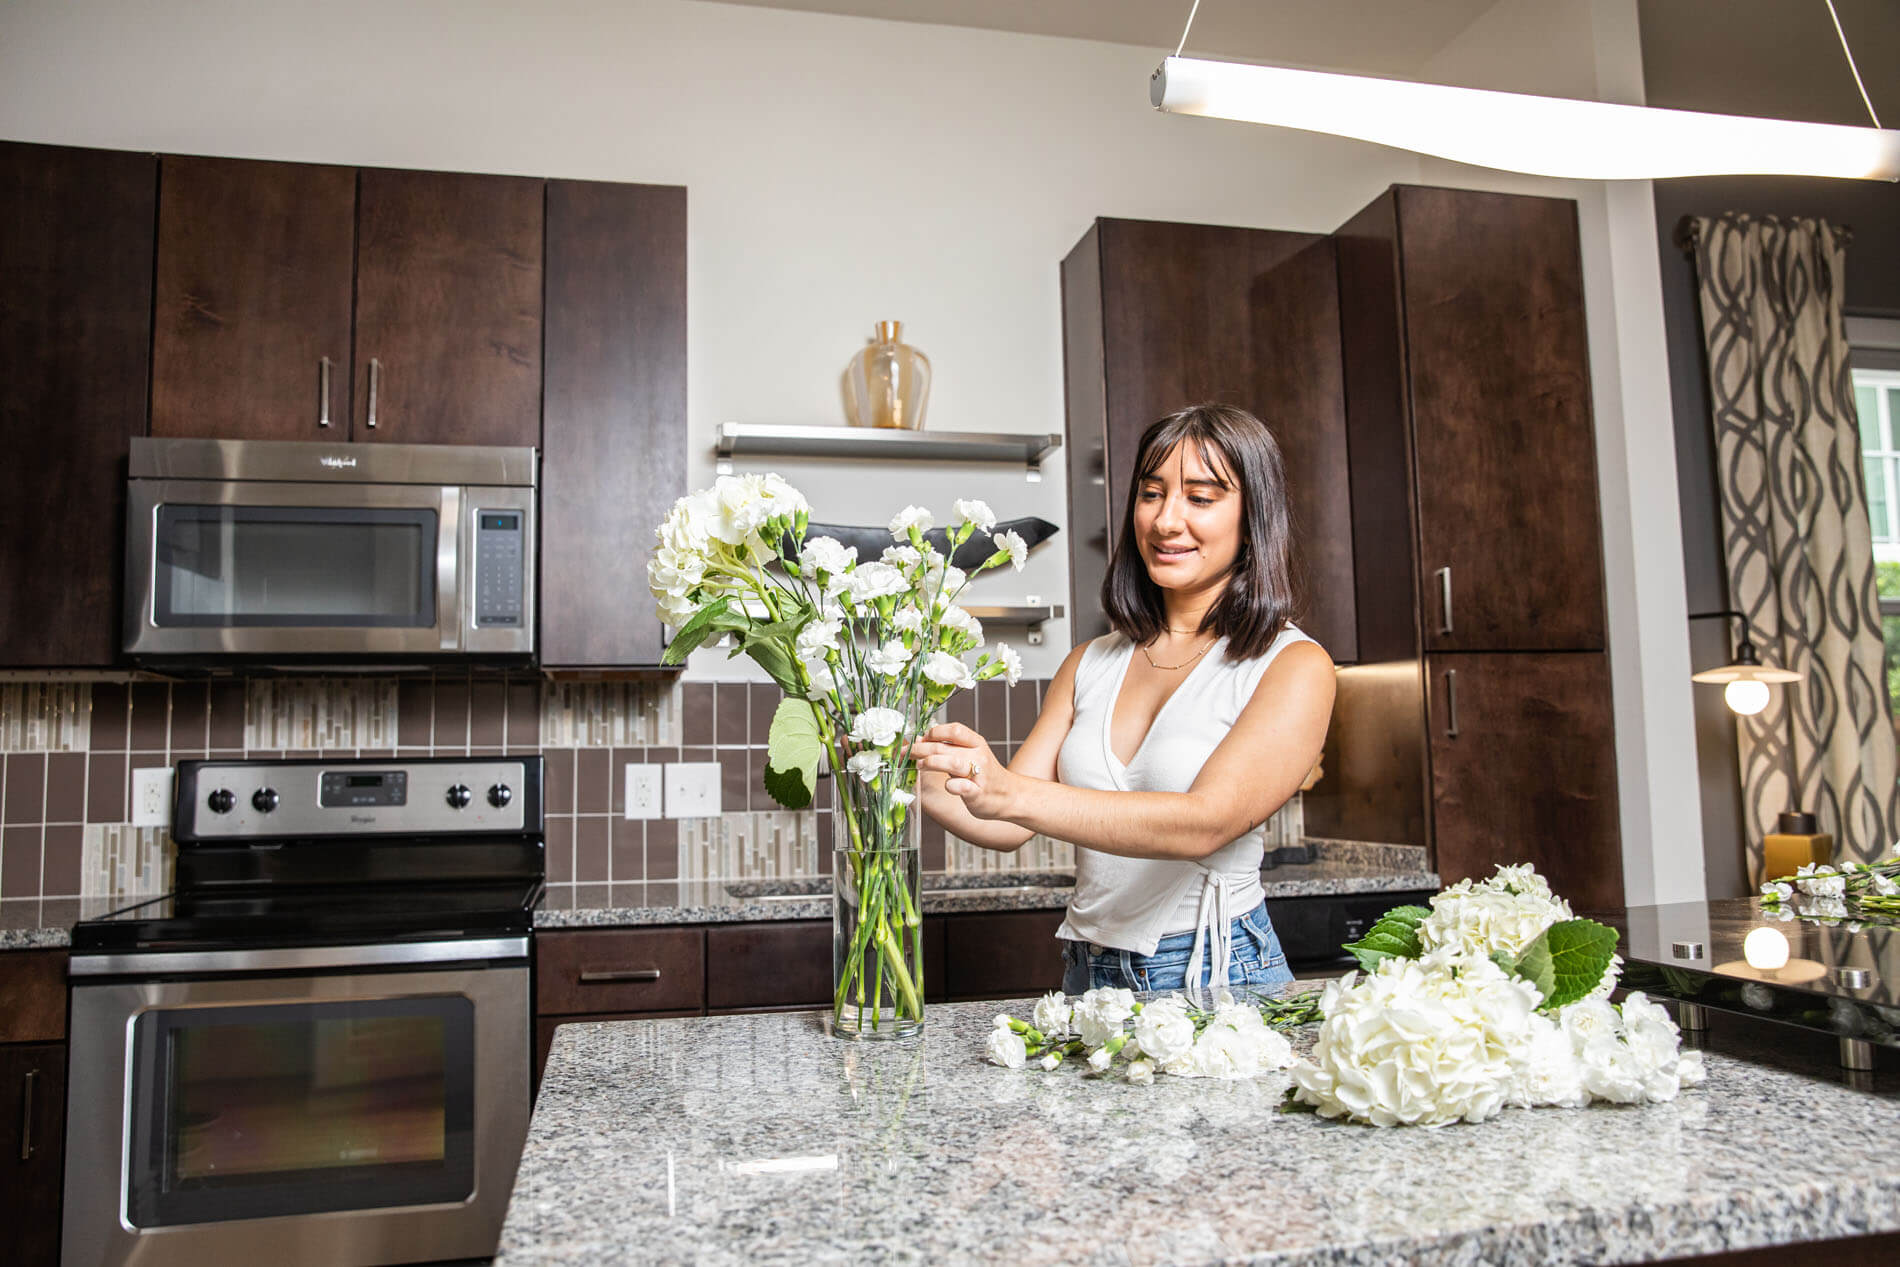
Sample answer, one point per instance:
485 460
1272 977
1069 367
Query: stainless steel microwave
265 550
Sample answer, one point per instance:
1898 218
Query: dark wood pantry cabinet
75 346
32 1103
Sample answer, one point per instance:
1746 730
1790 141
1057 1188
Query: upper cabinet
1158 316
300 302
1468 385
75 341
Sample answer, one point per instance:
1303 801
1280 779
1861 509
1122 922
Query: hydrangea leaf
773 659
1395 936
793 749
715 617
1567 961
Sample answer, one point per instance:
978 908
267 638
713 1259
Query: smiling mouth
1166 553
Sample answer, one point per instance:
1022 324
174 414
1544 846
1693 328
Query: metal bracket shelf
1030 615
742 439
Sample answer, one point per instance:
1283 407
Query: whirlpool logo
362 820
336 463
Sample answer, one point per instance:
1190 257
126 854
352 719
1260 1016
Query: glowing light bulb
1766 949
1746 697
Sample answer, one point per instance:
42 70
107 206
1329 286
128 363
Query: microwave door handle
452 548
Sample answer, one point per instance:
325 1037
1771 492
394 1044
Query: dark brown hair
1262 591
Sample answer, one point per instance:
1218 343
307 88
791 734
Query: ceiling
1394 37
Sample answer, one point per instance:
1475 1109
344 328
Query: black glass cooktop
281 915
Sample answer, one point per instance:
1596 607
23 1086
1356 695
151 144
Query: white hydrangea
1506 912
972 511
947 670
1100 1013
1544 1070
888 659
827 554
1052 1013
878 727
911 517
866 765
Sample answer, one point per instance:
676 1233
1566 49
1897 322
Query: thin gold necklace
1169 668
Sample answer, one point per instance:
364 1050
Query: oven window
251 1112
248 566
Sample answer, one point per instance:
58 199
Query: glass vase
888 383
877 943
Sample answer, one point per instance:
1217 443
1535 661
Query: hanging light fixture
1747 679
1545 136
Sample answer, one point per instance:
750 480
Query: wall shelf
1029 615
746 439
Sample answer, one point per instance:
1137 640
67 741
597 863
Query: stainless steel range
317 1049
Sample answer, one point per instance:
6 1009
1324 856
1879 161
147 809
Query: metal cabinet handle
323 376
1451 703
1444 598
26 1114
375 382
611 976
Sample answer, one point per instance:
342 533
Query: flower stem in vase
877 956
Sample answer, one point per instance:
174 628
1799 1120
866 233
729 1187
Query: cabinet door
448 308
768 965
32 1138
620 970
1005 955
614 447
75 341
1504 441
1524 770
252 298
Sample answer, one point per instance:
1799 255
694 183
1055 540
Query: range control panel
290 799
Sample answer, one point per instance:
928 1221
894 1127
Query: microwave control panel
498 572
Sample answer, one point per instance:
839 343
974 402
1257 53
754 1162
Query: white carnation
947 670
1012 544
1544 1070
1820 881
866 765
1100 1013
888 659
944 585
1051 1060
869 581
1164 1031
1779 890
976 512
956 618
827 554
1141 1071
903 557
1099 1059
907 619
878 727
817 638
823 682
1052 1013
900 797
1007 1048
1238 1044
1011 661
911 517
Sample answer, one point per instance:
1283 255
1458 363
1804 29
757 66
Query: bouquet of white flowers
1857 891
865 651
1169 1035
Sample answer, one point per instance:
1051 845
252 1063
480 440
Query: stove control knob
459 796
222 801
499 795
264 800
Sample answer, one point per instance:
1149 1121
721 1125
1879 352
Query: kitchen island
759 1139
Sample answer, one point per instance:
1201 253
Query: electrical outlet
692 789
152 797
643 790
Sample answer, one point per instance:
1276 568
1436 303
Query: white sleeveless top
1132 903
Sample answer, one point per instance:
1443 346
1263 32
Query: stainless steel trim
26 1114
885 444
451 548
375 382
303 462
1444 597
1451 703
615 976
1691 1018
1857 1054
299 958
1686 949
323 375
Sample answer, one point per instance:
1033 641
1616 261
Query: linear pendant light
1545 136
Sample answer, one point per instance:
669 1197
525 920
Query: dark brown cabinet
614 445
1523 761
1001 954
32 1136
301 302
1157 316
75 346
251 333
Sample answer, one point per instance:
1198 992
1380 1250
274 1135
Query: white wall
844 170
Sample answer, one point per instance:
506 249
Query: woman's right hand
971 771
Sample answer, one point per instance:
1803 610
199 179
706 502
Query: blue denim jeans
1257 960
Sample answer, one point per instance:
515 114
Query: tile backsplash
68 751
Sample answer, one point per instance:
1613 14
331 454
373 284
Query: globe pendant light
1544 136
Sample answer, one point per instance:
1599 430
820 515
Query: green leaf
774 660
1395 936
1567 961
1291 1103
794 746
713 618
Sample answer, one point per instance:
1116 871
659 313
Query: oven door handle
296 958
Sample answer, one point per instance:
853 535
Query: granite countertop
1337 867
759 1139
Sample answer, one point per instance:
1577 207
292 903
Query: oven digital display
350 790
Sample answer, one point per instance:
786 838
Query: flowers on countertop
1495 997
1851 892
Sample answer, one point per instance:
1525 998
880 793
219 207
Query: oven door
289 569
346 1118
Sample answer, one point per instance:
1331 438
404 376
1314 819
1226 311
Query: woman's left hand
972 772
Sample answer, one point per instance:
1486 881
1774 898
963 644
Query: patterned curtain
1795 529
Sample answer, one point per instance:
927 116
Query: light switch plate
152 797
643 790
692 789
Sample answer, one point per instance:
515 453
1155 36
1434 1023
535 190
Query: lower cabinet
32 1104
1001 954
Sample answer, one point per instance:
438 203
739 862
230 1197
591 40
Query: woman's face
1188 523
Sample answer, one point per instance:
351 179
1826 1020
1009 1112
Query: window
1876 372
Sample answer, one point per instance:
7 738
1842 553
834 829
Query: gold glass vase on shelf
888 382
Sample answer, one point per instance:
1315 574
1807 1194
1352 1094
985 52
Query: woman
1163 747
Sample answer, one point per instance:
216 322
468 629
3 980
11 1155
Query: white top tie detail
1213 924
